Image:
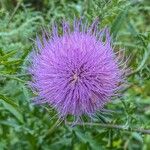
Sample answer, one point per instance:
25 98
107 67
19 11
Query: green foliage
24 126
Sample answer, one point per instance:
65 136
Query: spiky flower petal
76 72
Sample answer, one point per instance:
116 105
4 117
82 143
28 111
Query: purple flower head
76 72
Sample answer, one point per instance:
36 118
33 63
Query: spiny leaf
11 107
8 100
116 25
8 55
12 62
13 77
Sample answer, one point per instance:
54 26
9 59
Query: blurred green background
27 127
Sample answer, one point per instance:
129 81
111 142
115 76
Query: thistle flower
76 72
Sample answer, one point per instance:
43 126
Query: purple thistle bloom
76 72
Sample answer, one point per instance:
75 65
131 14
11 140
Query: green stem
114 126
